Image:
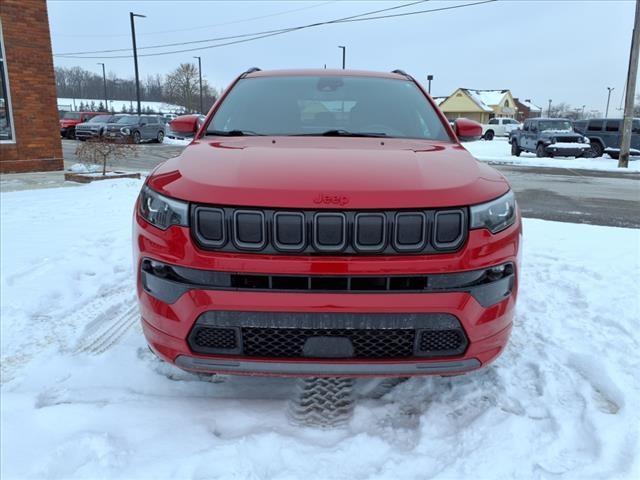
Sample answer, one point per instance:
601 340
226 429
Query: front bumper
558 150
167 325
87 133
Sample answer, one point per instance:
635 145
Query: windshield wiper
233 133
343 133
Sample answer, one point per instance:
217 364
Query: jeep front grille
328 232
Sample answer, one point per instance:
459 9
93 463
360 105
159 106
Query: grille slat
328 232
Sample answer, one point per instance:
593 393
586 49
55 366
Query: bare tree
100 151
182 87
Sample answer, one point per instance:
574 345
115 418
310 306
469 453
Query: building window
6 118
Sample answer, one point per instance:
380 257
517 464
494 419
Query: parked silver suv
137 128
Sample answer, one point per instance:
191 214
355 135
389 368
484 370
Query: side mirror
186 125
467 130
142 124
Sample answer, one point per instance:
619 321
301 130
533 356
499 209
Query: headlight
125 130
162 211
495 215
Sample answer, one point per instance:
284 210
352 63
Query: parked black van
605 135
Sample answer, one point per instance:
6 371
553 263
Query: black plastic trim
391 246
459 239
284 247
170 283
329 248
249 245
409 248
200 237
370 248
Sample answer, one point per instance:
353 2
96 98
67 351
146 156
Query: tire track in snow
110 318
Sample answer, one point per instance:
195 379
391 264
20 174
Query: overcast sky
566 51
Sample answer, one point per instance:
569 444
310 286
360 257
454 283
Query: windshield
127 119
99 119
313 105
556 125
71 116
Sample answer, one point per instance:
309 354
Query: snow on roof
530 105
475 96
486 98
439 100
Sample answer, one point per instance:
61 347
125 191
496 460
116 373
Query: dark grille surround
257 334
328 232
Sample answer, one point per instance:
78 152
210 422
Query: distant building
526 109
478 105
29 128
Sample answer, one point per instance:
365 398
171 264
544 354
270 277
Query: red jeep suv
327 223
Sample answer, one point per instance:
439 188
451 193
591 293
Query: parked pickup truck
549 137
499 127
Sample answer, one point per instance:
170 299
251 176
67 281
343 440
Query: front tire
596 149
488 135
160 136
540 152
515 149
136 137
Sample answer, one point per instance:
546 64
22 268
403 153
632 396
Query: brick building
29 129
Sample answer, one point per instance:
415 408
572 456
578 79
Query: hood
560 133
321 172
68 122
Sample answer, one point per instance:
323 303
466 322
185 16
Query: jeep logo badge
330 199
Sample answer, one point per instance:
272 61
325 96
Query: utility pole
135 55
632 75
104 80
606 112
429 78
200 76
344 54
549 111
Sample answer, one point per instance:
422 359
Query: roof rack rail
251 70
403 73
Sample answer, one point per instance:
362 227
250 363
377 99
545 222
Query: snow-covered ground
82 397
498 150
118 105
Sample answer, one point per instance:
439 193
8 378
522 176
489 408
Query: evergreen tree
101 107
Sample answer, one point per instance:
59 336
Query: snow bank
177 141
82 397
498 150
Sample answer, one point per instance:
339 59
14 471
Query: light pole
549 111
135 55
583 111
104 81
606 113
344 54
429 78
200 77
